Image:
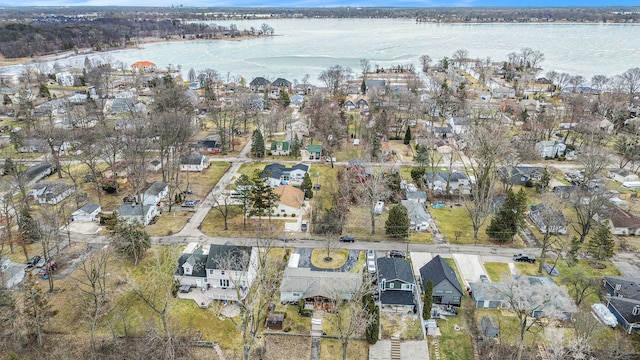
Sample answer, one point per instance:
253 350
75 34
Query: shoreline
139 43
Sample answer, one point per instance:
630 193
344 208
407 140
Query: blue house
624 300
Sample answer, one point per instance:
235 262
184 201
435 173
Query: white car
330 159
371 255
371 266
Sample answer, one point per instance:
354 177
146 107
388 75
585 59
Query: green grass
298 324
331 349
495 270
453 344
249 168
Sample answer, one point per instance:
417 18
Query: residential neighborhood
454 208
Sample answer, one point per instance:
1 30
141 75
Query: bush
302 311
293 215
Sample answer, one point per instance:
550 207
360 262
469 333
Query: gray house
446 287
317 288
88 213
420 219
396 284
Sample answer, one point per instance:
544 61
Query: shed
275 321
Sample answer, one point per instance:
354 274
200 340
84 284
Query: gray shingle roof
198 261
276 170
437 270
320 283
395 269
89 207
629 287
132 209
397 298
156 188
229 257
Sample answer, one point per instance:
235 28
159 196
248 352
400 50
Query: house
459 125
565 191
417 196
418 215
143 214
362 104
154 165
296 99
155 193
231 270
259 84
550 149
193 162
520 175
349 105
495 295
315 151
442 132
278 174
209 146
456 181
623 300
291 199
51 192
33 146
282 85
546 221
143 66
191 269
622 175
35 174
360 169
396 285
377 85
446 287
275 321
280 148
320 289
620 222
11 273
87 213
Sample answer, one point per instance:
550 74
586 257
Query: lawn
337 258
298 324
169 223
495 270
331 349
453 344
213 225
249 168
407 327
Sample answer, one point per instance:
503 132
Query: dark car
33 261
397 254
347 238
484 278
524 258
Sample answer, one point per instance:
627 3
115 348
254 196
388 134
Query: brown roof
290 195
143 64
621 219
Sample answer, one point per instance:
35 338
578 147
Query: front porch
205 296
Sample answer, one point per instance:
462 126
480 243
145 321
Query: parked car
330 159
524 258
371 267
41 262
347 238
484 278
33 261
190 203
371 255
397 254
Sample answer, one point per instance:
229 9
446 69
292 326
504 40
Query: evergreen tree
307 186
295 146
572 256
285 100
398 222
428 300
130 240
511 217
373 329
9 167
601 244
29 227
417 175
263 198
363 87
244 186
257 144
407 136
422 155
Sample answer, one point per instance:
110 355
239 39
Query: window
456 299
391 285
222 272
210 272
407 287
448 291
224 283
282 210
438 291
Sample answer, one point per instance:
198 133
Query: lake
308 46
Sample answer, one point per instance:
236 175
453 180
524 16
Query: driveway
470 267
418 260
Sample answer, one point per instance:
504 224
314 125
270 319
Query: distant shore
139 43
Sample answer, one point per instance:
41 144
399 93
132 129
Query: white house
230 266
155 193
278 174
88 213
51 192
194 162
419 218
457 182
35 174
550 149
291 199
33 146
142 214
622 175
459 125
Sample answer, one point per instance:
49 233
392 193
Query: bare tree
352 316
550 213
532 302
586 205
255 298
36 308
156 293
374 187
489 146
92 283
630 80
336 79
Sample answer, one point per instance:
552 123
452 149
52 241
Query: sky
325 3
